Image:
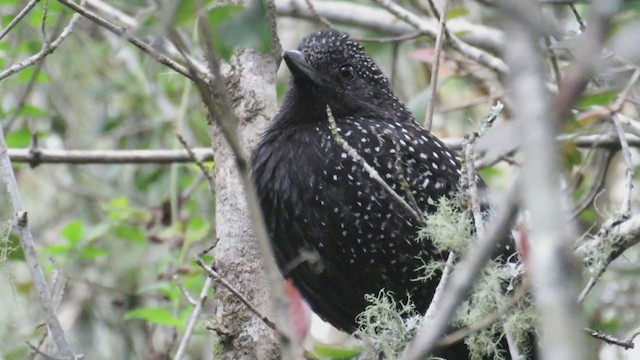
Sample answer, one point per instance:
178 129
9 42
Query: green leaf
153 315
217 17
197 229
572 156
57 249
600 98
457 12
73 232
91 253
32 111
24 76
19 138
129 233
335 353
186 11
248 29
9 243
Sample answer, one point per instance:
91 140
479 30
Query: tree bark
251 81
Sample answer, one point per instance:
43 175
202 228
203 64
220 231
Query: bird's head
332 69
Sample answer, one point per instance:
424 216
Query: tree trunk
251 82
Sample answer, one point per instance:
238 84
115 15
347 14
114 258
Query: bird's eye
346 72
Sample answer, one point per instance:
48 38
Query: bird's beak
299 66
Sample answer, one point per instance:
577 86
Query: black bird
337 233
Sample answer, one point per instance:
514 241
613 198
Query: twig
320 18
193 318
30 5
460 282
368 168
404 184
469 178
602 161
468 51
217 277
553 59
609 339
28 246
626 153
47 48
379 20
137 156
472 102
205 171
37 351
433 83
437 295
184 291
393 39
144 156
583 27
25 95
616 235
121 31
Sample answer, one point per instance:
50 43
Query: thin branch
217 277
319 17
198 160
47 48
626 155
84 157
575 12
433 85
476 54
30 5
602 161
379 20
471 103
437 295
616 235
28 246
609 339
144 156
193 318
393 39
469 177
415 213
123 32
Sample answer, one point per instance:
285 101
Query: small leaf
32 111
186 11
572 155
91 253
129 233
254 31
457 12
153 315
24 76
335 353
601 98
197 229
73 232
19 138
